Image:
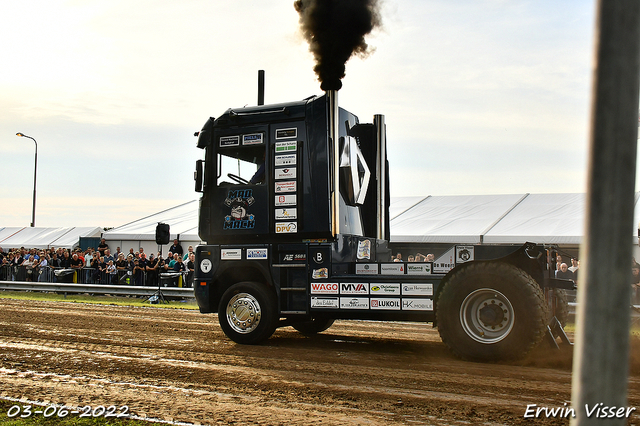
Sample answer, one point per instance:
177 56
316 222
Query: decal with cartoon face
239 218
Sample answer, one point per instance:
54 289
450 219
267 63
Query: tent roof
182 220
462 219
45 237
451 219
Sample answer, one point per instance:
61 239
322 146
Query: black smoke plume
335 30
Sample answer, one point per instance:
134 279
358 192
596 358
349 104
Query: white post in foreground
601 362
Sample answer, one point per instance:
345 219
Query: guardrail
119 290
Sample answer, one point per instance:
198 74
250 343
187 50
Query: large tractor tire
491 312
561 306
314 326
248 312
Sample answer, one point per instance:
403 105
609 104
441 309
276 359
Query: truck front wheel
491 312
248 313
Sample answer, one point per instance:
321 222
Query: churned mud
177 365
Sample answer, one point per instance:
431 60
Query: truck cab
294 213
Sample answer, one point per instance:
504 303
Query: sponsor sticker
229 141
418 268
286 133
287 186
354 303
286 173
417 304
320 274
286 146
287 213
286 160
386 304
231 254
324 288
464 254
392 268
252 139
293 257
286 200
364 249
324 302
257 253
367 268
445 263
379 288
205 266
286 227
417 289
239 217
354 288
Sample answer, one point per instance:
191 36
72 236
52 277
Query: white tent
462 219
45 237
451 219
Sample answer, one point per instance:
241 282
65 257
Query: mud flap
555 330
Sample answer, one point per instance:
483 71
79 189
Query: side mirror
198 175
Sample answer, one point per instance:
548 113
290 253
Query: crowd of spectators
418 257
99 266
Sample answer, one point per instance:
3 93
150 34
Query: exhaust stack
334 144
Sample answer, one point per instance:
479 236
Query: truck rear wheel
491 312
247 313
314 326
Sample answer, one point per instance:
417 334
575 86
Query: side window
241 166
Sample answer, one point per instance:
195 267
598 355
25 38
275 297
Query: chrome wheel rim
487 316
243 313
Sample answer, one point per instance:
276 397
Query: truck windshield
241 166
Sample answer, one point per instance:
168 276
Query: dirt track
177 365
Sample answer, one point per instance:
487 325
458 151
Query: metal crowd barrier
49 274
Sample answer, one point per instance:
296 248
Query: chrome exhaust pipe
334 144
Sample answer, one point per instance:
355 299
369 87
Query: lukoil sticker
386 304
287 213
260 253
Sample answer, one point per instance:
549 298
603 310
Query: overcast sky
480 96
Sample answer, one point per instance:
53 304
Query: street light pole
35 172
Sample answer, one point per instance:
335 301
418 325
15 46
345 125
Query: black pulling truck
294 211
